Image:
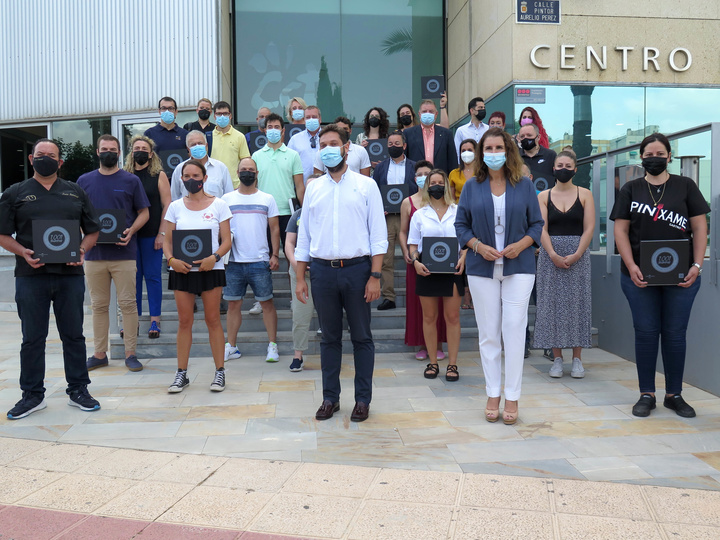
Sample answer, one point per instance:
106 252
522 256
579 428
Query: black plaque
377 149
664 262
172 158
112 225
542 183
432 87
440 254
192 244
393 196
293 129
258 140
56 241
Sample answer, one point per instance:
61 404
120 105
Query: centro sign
650 56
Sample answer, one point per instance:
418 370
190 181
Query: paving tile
403 420
690 532
570 414
37 433
146 500
501 523
391 520
616 446
164 414
232 412
691 506
131 464
307 515
693 442
62 457
602 428
164 531
415 486
279 441
609 468
217 507
448 403
78 493
673 465
188 469
257 426
111 528
189 445
510 492
711 458
600 499
592 527
208 428
333 480
17 483
136 430
439 436
546 468
509 451
19 523
286 386
251 475
12 449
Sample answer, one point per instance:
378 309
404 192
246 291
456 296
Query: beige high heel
492 415
510 417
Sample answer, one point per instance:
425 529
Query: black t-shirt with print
669 220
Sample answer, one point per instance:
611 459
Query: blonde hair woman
295 110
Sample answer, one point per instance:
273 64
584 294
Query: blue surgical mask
331 156
198 151
312 124
222 121
167 116
494 161
273 135
298 114
427 118
420 181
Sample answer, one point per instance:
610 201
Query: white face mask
468 156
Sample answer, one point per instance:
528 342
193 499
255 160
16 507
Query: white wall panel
89 57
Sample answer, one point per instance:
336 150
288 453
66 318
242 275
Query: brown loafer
327 409
360 412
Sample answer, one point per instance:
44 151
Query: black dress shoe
360 412
386 304
678 404
645 404
327 409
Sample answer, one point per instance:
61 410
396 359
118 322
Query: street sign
538 12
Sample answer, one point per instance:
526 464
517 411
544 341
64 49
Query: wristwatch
217 257
376 275
697 265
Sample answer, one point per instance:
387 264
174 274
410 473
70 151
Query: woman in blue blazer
499 220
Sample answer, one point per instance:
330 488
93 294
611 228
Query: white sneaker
556 370
272 355
256 309
232 352
578 371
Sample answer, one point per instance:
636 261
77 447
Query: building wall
487 49
84 58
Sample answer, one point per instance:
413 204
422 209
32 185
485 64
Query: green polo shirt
275 174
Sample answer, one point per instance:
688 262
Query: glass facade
77 140
344 56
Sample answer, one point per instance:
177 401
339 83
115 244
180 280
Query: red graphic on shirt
208 216
657 214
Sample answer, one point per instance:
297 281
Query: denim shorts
256 274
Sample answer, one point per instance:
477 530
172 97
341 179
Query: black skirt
439 285
196 282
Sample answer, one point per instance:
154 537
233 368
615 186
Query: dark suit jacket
381 172
444 155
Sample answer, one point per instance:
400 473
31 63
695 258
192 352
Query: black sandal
452 374
431 371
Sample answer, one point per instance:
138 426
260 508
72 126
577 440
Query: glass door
125 127
16 144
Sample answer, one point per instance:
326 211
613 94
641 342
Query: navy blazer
444 154
381 171
475 218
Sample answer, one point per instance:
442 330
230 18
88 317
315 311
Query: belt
341 263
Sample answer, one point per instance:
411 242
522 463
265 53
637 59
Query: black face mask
436 192
45 165
193 186
563 175
203 114
395 151
247 177
528 144
654 165
108 159
480 115
406 119
374 122
141 157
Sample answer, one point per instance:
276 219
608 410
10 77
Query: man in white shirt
305 143
218 182
357 160
251 262
475 128
343 232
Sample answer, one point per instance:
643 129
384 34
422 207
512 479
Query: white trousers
501 305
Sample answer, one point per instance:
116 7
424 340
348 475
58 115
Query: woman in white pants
499 220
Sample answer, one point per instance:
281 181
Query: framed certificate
56 241
432 87
192 244
112 225
377 149
440 254
393 196
664 262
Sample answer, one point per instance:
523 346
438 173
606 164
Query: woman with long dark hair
530 116
406 117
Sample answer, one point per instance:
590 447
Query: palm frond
398 41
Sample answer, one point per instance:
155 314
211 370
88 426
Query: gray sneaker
578 371
94 362
180 382
556 371
132 363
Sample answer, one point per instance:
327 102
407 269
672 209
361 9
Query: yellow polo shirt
230 148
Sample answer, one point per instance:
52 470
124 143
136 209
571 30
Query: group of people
318 196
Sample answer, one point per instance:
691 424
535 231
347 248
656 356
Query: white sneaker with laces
578 371
256 309
272 352
232 352
556 371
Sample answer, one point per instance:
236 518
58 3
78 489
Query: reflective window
77 143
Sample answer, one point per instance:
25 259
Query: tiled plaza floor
253 461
